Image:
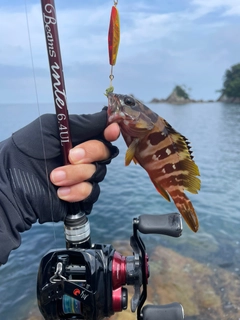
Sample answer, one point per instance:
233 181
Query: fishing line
39 117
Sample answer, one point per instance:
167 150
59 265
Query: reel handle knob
167 224
173 311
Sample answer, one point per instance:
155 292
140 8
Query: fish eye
129 101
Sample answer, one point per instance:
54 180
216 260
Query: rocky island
178 96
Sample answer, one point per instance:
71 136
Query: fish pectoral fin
135 160
160 189
131 152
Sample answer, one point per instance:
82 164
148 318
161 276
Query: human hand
30 158
73 179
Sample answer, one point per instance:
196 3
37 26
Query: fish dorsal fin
185 160
160 189
131 152
181 142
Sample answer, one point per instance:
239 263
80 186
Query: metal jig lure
113 41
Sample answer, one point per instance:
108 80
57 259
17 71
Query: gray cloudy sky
163 43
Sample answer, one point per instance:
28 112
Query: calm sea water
214 132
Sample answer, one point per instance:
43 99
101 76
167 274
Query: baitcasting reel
87 283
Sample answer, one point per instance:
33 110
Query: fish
163 152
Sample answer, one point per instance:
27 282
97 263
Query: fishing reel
88 283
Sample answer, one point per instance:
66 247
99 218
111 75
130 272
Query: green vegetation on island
181 92
231 85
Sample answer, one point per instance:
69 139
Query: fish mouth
114 109
114 117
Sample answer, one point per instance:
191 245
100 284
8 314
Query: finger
88 152
75 193
72 174
112 132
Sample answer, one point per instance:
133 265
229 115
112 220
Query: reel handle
173 311
167 224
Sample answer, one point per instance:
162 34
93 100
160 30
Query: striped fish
163 152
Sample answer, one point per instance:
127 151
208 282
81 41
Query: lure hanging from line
113 35
113 41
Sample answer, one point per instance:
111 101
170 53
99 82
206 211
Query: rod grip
173 311
168 224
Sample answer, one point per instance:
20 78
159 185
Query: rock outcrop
224 98
174 97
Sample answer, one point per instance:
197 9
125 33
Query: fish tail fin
186 209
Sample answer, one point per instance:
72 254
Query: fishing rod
85 281
76 225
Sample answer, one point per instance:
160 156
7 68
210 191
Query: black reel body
78 283
87 283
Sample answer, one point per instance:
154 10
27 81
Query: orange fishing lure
113 35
